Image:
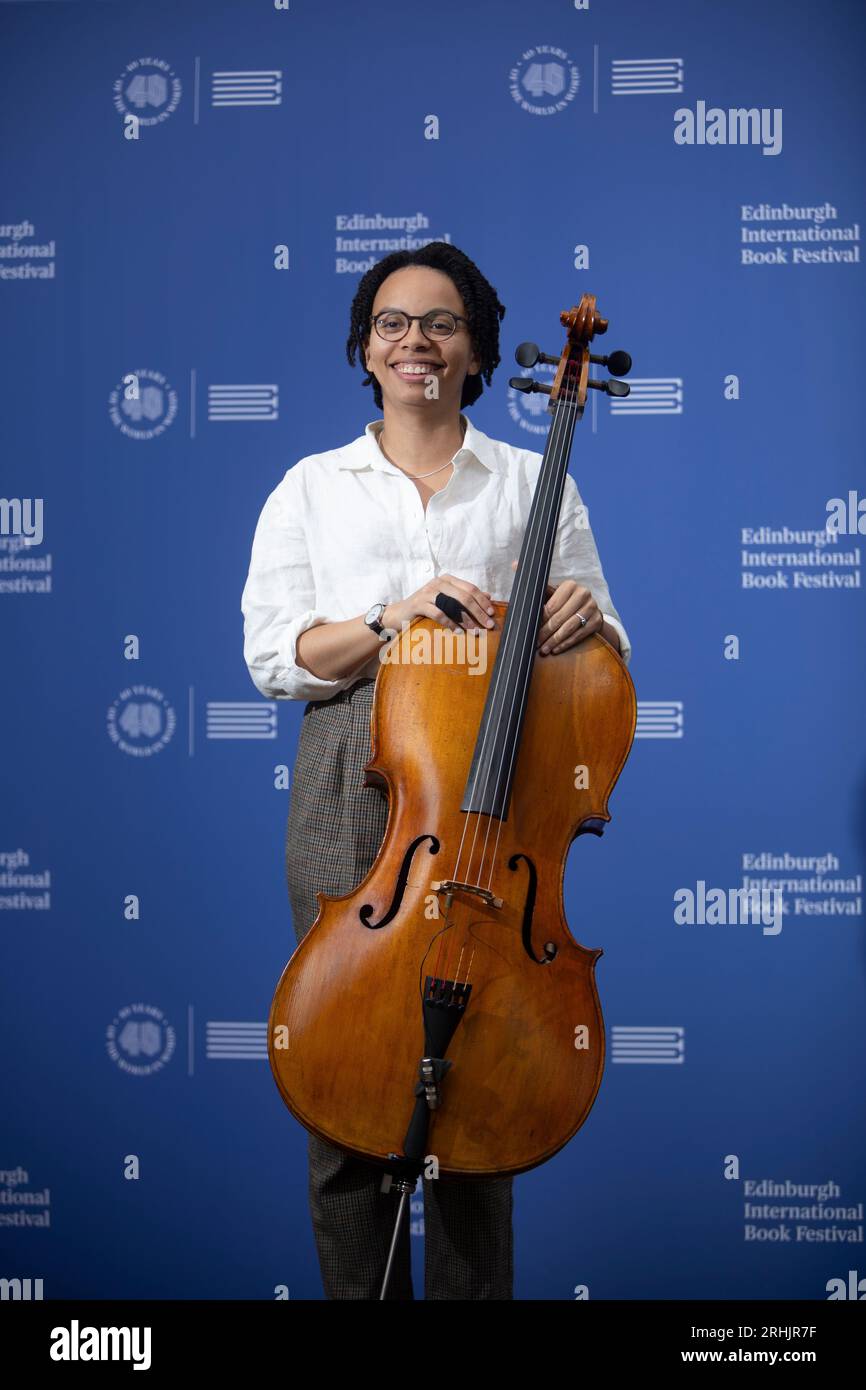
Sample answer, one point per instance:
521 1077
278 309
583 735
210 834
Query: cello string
502 672
528 583
527 674
542 542
503 668
552 520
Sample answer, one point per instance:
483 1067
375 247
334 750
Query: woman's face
417 289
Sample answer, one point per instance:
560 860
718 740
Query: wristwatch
373 619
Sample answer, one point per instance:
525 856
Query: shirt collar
365 451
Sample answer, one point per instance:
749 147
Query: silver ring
582 620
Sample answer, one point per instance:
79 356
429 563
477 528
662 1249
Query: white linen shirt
346 529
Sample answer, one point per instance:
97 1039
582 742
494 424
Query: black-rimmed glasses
392 324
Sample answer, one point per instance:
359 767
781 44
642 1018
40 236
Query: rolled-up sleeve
576 557
279 601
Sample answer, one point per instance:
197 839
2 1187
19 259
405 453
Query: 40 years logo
149 89
143 404
140 1040
528 409
544 80
141 721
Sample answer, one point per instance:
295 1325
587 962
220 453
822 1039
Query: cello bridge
452 885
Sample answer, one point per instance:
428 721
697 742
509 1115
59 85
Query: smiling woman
421 512
422 336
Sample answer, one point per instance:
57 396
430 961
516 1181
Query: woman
352 544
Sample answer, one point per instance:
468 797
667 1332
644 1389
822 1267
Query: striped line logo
650 395
237 1042
659 719
241 719
247 88
659 1045
241 402
638 76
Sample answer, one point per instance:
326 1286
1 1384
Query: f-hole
368 909
529 910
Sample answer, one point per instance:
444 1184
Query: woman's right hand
421 604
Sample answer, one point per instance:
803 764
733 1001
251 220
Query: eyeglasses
393 324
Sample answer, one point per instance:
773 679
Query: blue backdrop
190 193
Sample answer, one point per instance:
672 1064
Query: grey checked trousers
334 831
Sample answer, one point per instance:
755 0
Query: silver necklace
405 470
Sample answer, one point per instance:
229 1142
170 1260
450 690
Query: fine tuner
528 354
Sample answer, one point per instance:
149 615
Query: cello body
345 1030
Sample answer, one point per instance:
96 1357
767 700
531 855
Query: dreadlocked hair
483 309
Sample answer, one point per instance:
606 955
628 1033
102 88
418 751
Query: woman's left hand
560 626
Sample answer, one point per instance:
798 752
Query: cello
440 1015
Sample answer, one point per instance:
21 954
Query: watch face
374 613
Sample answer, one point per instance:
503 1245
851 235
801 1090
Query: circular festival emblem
528 409
143 404
141 721
140 1040
544 80
148 89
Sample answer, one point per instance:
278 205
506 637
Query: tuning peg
528 354
613 388
619 363
525 383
